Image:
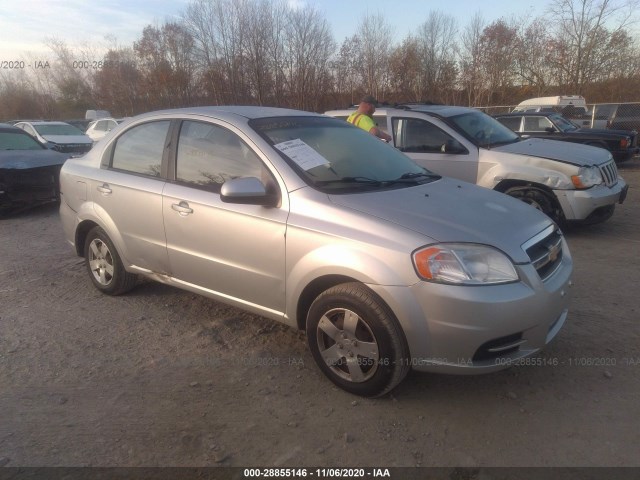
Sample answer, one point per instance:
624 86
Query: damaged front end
28 187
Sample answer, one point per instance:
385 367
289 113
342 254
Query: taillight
624 143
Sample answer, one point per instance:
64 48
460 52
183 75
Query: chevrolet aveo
310 221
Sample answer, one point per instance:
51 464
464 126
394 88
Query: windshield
55 129
332 155
18 141
562 123
483 130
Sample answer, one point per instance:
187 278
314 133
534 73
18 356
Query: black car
29 172
623 144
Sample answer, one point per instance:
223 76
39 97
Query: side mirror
247 191
549 129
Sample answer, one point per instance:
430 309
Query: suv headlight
587 177
464 264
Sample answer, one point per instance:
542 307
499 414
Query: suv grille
609 173
546 255
74 147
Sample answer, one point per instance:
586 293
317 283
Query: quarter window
140 149
209 155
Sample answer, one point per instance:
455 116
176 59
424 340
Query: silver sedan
310 221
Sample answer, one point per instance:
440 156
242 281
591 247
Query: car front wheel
539 199
104 265
356 340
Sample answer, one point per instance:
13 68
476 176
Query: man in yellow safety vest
362 118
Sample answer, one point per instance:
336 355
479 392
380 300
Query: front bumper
480 329
581 204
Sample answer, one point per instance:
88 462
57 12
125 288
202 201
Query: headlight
464 264
587 177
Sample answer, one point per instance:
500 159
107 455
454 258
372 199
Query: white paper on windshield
301 153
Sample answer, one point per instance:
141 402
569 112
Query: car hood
576 154
23 159
66 139
449 210
604 132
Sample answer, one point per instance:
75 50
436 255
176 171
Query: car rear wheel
104 265
356 340
539 199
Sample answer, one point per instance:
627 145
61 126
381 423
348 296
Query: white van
542 104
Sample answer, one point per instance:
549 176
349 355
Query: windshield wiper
410 177
418 175
357 180
413 177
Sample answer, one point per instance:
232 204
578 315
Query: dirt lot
161 377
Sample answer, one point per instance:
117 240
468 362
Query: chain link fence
615 116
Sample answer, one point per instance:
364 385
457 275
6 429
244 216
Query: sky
25 25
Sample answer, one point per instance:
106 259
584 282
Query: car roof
46 123
438 110
248 112
528 114
442 111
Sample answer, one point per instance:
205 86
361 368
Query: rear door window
140 149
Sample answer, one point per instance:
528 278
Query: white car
99 128
58 136
567 181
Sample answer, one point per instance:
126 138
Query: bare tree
532 56
119 86
375 42
497 53
437 48
472 79
165 55
308 48
583 29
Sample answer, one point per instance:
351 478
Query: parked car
29 172
99 128
81 124
623 144
58 136
620 116
310 221
568 182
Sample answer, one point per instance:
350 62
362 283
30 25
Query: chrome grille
546 255
609 173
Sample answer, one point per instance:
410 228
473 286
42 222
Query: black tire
369 356
104 265
538 199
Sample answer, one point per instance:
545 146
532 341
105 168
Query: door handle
105 190
182 208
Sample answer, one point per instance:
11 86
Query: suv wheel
356 340
104 265
539 199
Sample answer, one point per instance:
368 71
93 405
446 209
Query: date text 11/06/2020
316 472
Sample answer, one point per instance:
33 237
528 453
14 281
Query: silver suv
568 182
310 221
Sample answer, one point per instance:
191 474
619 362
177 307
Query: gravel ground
162 377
